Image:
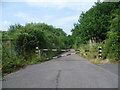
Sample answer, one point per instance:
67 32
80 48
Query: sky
59 13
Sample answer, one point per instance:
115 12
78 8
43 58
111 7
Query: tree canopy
94 24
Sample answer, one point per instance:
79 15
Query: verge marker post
100 52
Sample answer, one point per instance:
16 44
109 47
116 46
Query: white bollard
100 52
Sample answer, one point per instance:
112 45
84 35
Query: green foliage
94 23
93 48
69 41
19 44
113 41
36 60
101 24
12 64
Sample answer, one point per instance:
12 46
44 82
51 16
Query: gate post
37 51
100 52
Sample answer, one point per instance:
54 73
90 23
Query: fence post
100 52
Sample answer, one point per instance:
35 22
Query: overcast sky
59 13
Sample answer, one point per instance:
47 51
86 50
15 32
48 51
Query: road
111 67
65 72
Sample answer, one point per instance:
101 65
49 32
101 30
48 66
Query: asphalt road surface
65 72
111 67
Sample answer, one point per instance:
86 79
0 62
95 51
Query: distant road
65 72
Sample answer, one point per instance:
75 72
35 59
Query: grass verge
92 55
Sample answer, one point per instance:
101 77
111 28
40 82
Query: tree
113 41
94 24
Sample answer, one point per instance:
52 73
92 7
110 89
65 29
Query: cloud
60 0
57 22
5 25
61 5
66 23
66 20
49 0
26 17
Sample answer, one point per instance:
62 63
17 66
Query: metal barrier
66 50
62 55
54 50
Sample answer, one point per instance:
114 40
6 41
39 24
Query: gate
38 52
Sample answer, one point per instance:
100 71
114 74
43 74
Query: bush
93 48
36 60
113 47
20 51
11 64
113 40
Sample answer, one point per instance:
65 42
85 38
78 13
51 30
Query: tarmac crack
57 79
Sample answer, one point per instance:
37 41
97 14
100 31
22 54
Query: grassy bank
92 56
14 63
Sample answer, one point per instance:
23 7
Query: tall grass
12 60
93 54
93 50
